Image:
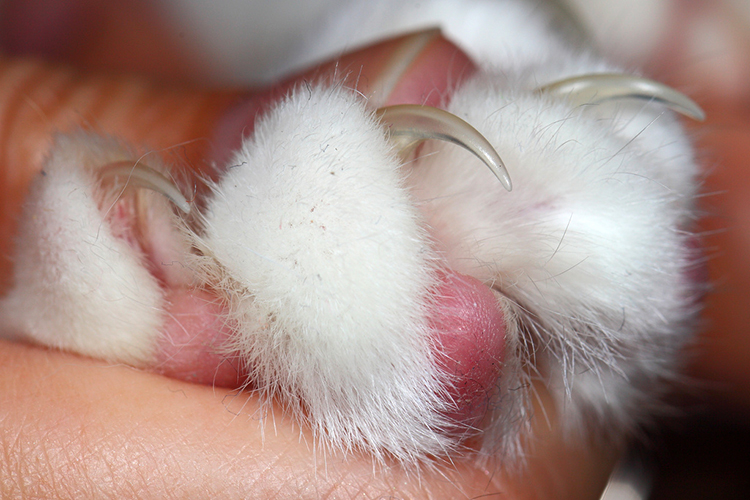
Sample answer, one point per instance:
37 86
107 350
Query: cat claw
411 124
594 88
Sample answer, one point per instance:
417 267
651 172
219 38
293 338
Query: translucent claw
398 63
410 124
598 87
146 177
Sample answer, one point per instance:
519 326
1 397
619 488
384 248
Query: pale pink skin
192 346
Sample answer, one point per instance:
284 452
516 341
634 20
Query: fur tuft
590 244
77 285
328 272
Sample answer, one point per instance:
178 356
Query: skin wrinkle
83 457
12 468
267 471
142 473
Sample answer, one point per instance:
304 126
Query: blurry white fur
591 244
326 250
77 285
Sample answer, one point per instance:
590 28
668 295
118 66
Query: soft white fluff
591 242
75 285
328 270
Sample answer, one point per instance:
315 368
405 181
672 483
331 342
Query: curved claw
146 177
598 87
410 124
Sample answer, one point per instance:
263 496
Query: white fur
328 270
590 243
76 285
317 239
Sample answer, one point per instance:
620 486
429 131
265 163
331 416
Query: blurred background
701 47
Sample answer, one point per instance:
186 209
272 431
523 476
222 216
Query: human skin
77 428
73 427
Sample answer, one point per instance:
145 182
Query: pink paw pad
470 331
